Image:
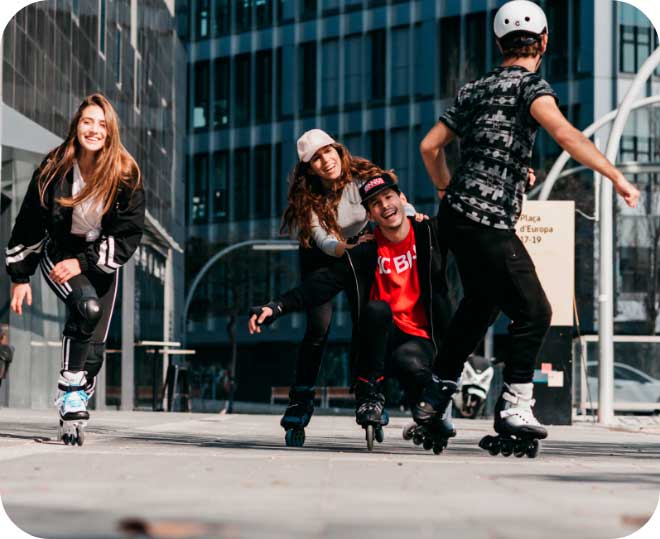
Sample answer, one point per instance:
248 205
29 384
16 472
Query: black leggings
312 347
497 275
385 349
90 301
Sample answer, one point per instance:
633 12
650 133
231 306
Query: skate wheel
494 448
519 449
439 447
486 442
380 435
506 447
294 437
418 439
408 431
533 449
369 435
428 444
65 439
81 437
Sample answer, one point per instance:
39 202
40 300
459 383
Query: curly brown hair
307 194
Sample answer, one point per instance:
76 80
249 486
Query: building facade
376 74
54 54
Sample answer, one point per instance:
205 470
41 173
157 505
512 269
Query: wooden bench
323 396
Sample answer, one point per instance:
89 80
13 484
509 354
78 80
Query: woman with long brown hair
326 214
81 219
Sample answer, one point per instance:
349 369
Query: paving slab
162 475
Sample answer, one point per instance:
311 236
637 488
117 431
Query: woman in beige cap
325 213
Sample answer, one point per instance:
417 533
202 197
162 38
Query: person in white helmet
496 117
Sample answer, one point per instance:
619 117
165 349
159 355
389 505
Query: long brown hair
307 194
114 166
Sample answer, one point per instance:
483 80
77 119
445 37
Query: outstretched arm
433 154
546 112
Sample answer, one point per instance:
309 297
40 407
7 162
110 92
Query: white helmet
520 16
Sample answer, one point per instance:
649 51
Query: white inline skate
71 404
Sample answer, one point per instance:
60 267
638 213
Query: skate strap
70 389
515 399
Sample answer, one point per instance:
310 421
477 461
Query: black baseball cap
375 185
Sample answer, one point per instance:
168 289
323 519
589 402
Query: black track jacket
355 273
121 231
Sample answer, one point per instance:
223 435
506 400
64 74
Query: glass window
377 147
399 142
264 13
378 53
475 46
353 141
222 18
556 58
330 75
241 184
202 19
242 89
449 54
201 95
222 85
635 268
286 11
400 62
137 82
200 186
330 7
636 36
353 69
118 50
307 77
308 9
353 5
264 86
219 186
243 15
627 374
102 26
262 182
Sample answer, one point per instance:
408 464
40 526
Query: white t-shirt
86 219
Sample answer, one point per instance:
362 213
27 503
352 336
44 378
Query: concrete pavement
164 475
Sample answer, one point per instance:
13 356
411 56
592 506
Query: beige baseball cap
310 142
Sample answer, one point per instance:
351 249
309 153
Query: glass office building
54 54
376 74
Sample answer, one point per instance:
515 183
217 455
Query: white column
128 336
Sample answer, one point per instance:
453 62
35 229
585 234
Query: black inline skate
518 430
297 415
370 411
432 428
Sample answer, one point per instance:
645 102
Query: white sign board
547 229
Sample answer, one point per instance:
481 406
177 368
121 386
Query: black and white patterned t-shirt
491 116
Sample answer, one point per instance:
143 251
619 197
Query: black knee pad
85 311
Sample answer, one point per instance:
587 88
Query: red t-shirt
397 283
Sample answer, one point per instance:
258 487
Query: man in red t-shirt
395 327
399 306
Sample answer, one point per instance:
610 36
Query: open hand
20 292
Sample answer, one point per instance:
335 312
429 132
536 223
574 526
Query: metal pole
191 291
606 296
